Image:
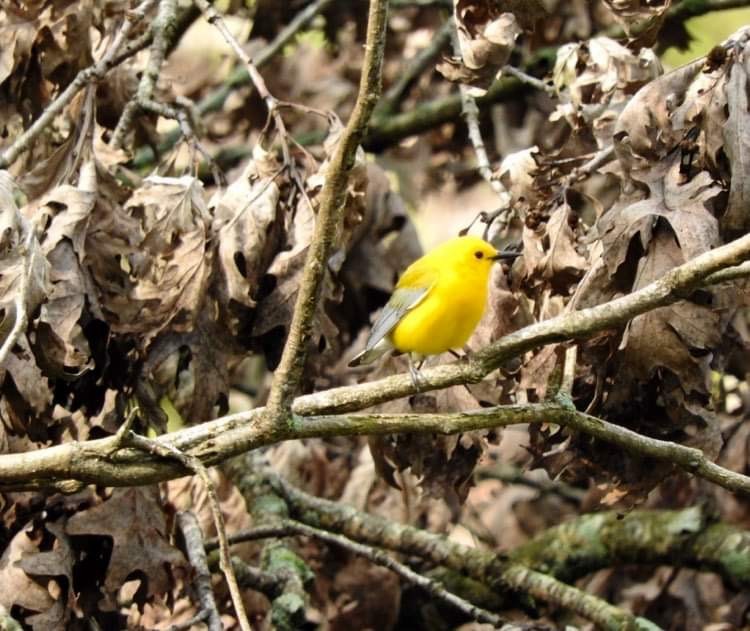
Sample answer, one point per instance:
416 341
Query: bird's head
471 254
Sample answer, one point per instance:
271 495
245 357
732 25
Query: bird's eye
479 255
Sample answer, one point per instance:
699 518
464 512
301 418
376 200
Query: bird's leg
416 377
461 357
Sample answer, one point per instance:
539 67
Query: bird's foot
416 377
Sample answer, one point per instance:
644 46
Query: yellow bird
437 303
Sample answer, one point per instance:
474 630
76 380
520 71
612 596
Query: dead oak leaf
247 221
737 144
21 562
669 337
552 252
153 258
135 521
486 37
682 205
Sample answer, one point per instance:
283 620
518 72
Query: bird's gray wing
402 300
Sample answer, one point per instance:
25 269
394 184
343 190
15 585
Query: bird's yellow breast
445 318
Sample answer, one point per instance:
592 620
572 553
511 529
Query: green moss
279 559
270 505
288 612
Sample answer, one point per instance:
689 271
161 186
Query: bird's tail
369 355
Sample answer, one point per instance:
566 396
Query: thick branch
682 538
485 567
389 129
327 224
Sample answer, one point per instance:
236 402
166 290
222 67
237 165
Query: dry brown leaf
594 80
487 32
152 258
247 222
516 172
682 205
550 254
640 17
737 144
677 337
135 522
23 560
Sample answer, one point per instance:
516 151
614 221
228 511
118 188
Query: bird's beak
501 256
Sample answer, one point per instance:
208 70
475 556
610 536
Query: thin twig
470 112
82 79
511 474
194 465
601 158
196 552
268 583
239 77
289 372
526 78
379 557
163 28
214 18
21 312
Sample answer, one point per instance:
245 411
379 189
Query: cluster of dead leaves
146 287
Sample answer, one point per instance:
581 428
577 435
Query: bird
436 304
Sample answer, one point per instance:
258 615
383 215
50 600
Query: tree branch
215 441
196 552
327 225
485 567
682 538
379 557
164 27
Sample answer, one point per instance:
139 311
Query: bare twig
83 78
239 77
511 474
216 20
196 552
21 312
471 115
278 558
601 158
526 78
332 198
248 576
379 557
163 29
194 465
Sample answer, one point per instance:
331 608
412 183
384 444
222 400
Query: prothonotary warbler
437 303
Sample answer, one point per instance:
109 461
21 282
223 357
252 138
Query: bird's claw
416 377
